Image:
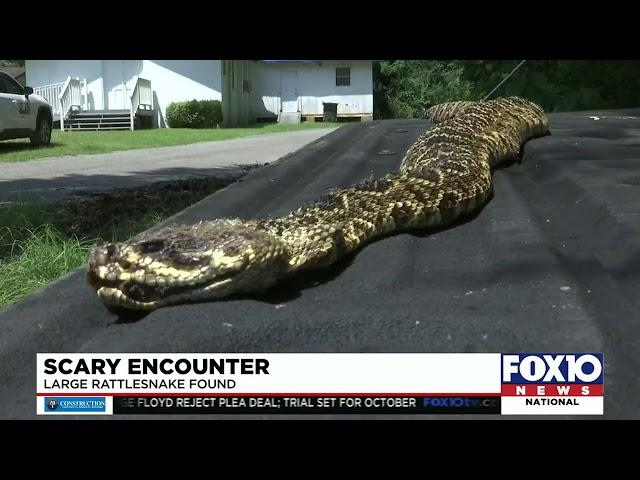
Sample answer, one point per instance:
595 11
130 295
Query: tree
11 63
408 86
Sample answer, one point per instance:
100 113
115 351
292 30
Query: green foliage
40 242
557 85
11 63
45 256
195 114
410 85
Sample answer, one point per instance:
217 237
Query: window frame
343 76
7 81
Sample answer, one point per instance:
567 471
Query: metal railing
141 98
51 93
73 97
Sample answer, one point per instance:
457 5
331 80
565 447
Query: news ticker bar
437 404
306 405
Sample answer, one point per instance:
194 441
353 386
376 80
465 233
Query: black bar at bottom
301 405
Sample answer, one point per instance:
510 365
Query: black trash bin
329 112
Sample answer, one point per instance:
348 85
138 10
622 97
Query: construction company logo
75 404
552 383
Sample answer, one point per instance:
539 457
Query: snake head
204 261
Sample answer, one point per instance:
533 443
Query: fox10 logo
552 383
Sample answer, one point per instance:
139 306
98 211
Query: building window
343 77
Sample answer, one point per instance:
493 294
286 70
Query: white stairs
98 120
71 106
289 117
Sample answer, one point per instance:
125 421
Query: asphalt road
567 216
55 177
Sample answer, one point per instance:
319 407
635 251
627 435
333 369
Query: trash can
329 112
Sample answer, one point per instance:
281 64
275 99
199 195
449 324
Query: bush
408 86
562 85
404 87
195 114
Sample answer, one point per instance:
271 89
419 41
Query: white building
298 88
250 91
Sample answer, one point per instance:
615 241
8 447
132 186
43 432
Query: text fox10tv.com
316 383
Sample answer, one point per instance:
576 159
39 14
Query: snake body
445 175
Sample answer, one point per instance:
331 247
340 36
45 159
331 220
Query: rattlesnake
445 174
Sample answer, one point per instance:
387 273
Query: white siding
115 75
171 80
46 72
235 106
265 90
182 80
316 84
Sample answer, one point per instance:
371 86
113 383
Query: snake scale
445 174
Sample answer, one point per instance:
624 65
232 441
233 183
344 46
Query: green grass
44 257
87 143
41 242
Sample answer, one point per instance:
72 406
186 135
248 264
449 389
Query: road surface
53 178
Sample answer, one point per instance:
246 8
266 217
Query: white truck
23 114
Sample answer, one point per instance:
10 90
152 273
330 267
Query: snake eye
111 250
151 246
